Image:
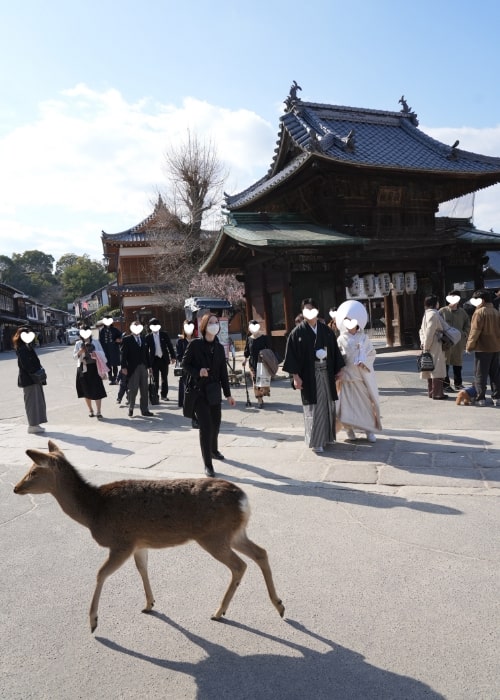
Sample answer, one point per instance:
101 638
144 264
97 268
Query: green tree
82 277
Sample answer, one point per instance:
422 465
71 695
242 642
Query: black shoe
165 398
130 412
147 413
195 424
217 455
209 471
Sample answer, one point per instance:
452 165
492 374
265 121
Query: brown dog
466 397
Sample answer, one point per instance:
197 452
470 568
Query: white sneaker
350 434
371 437
35 429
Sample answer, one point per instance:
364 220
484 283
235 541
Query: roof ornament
349 141
406 110
314 143
292 96
452 155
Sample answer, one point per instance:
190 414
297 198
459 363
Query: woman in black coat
28 363
204 363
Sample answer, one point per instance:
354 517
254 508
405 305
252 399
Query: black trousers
487 364
457 375
160 368
209 418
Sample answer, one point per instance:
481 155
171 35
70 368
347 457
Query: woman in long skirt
28 364
256 341
90 371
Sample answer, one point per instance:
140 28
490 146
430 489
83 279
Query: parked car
72 335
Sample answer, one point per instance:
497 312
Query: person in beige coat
484 341
430 340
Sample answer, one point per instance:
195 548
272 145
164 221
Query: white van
72 335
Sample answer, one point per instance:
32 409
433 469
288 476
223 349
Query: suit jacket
166 347
133 355
199 353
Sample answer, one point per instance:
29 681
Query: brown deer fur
132 516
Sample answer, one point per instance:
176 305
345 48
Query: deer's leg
141 561
221 551
115 559
259 556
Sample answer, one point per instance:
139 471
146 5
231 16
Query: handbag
425 363
178 369
262 376
39 377
450 337
270 360
191 394
213 392
154 398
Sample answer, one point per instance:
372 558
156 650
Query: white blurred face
85 333
309 312
27 337
136 328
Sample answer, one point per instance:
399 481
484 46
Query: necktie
158 351
138 338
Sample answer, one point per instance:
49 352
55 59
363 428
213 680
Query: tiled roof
276 230
146 230
267 230
362 138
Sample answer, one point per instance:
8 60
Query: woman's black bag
39 377
154 399
191 394
425 363
213 392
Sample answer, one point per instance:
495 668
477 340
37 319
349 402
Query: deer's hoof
280 608
93 624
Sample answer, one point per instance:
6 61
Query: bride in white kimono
358 405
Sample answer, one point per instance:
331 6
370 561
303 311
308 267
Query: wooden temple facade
131 255
348 208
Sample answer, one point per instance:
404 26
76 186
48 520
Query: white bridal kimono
358 404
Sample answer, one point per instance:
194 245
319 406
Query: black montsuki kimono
300 356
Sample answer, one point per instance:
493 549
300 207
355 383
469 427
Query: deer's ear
37 456
53 447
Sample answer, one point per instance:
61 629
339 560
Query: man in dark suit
135 365
161 354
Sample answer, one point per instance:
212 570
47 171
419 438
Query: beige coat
430 334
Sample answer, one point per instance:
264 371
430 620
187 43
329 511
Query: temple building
348 208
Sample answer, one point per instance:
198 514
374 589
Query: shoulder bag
39 377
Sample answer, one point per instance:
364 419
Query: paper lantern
384 283
355 287
410 282
369 285
398 282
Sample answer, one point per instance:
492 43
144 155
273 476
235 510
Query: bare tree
195 176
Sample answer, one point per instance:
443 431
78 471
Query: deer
131 516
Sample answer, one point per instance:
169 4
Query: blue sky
93 94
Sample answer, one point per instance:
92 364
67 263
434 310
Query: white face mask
213 328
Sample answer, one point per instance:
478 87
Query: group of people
480 335
332 365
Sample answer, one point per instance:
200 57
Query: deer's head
41 476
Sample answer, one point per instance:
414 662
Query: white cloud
92 161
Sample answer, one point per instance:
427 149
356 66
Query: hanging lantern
410 282
384 283
398 282
355 287
369 285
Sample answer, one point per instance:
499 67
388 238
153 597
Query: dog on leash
466 397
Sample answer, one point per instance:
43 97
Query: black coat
253 347
133 355
198 355
300 356
108 337
28 363
166 347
